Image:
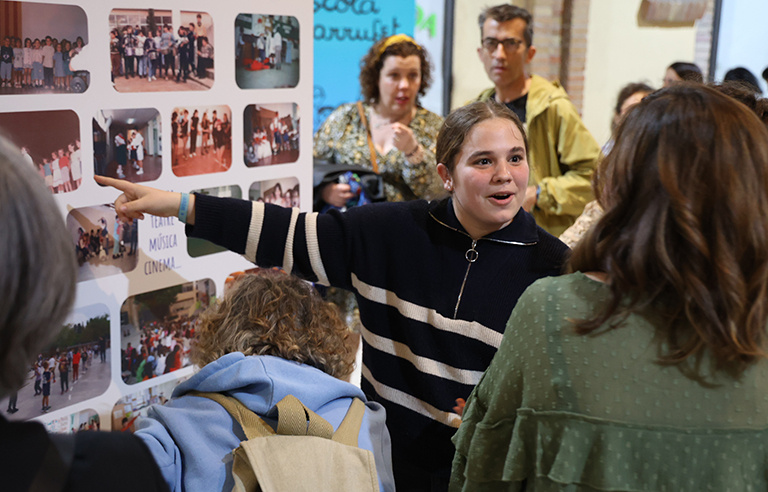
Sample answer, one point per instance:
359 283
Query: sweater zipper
471 256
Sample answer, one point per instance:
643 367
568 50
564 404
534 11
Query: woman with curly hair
388 131
644 369
272 335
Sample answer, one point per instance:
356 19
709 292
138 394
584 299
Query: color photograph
157 328
104 245
283 192
200 247
127 144
44 48
130 407
86 420
50 142
266 51
153 50
270 134
75 367
201 140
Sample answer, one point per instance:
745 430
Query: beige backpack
304 453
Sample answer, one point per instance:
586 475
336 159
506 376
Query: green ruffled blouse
556 411
342 139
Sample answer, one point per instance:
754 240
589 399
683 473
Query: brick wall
704 39
560 36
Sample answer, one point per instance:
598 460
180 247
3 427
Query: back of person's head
38 267
685 231
745 77
689 72
746 96
461 121
273 313
507 12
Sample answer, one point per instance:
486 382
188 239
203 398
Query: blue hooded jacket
192 437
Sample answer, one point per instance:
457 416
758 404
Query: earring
448 185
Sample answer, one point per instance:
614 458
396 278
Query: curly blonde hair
273 313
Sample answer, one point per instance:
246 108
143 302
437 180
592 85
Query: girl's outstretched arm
137 200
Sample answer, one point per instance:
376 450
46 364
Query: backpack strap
349 428
295 419
253 426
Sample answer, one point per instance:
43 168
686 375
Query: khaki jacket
562 154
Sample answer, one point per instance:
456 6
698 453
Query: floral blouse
342 139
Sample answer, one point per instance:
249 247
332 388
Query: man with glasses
562 152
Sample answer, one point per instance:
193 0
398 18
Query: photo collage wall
185 97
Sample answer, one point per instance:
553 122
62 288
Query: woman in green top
645 369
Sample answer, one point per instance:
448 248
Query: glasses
492 44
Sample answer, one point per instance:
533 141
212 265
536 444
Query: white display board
149 293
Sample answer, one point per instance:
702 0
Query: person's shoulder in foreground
89 460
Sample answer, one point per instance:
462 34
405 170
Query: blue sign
344 31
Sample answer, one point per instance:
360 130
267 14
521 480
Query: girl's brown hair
685 232
273 313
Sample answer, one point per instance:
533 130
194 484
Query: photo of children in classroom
154 50
131 407
50 142
127 144
270 134
43 48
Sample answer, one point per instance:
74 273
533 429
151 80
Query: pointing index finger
119 184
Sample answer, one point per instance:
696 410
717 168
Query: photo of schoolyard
200 247
201 140
50 142
127 144
104 245
157 328
283 192
75 367
270 134
43 49
130 407
153 50
266 51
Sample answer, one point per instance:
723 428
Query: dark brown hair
746 96
370 66
685 230
625 93
273 313
687 71
507 12
460 122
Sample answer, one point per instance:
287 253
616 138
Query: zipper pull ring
471 255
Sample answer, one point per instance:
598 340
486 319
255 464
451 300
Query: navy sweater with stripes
433 302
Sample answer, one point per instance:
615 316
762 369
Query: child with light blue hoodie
272 335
